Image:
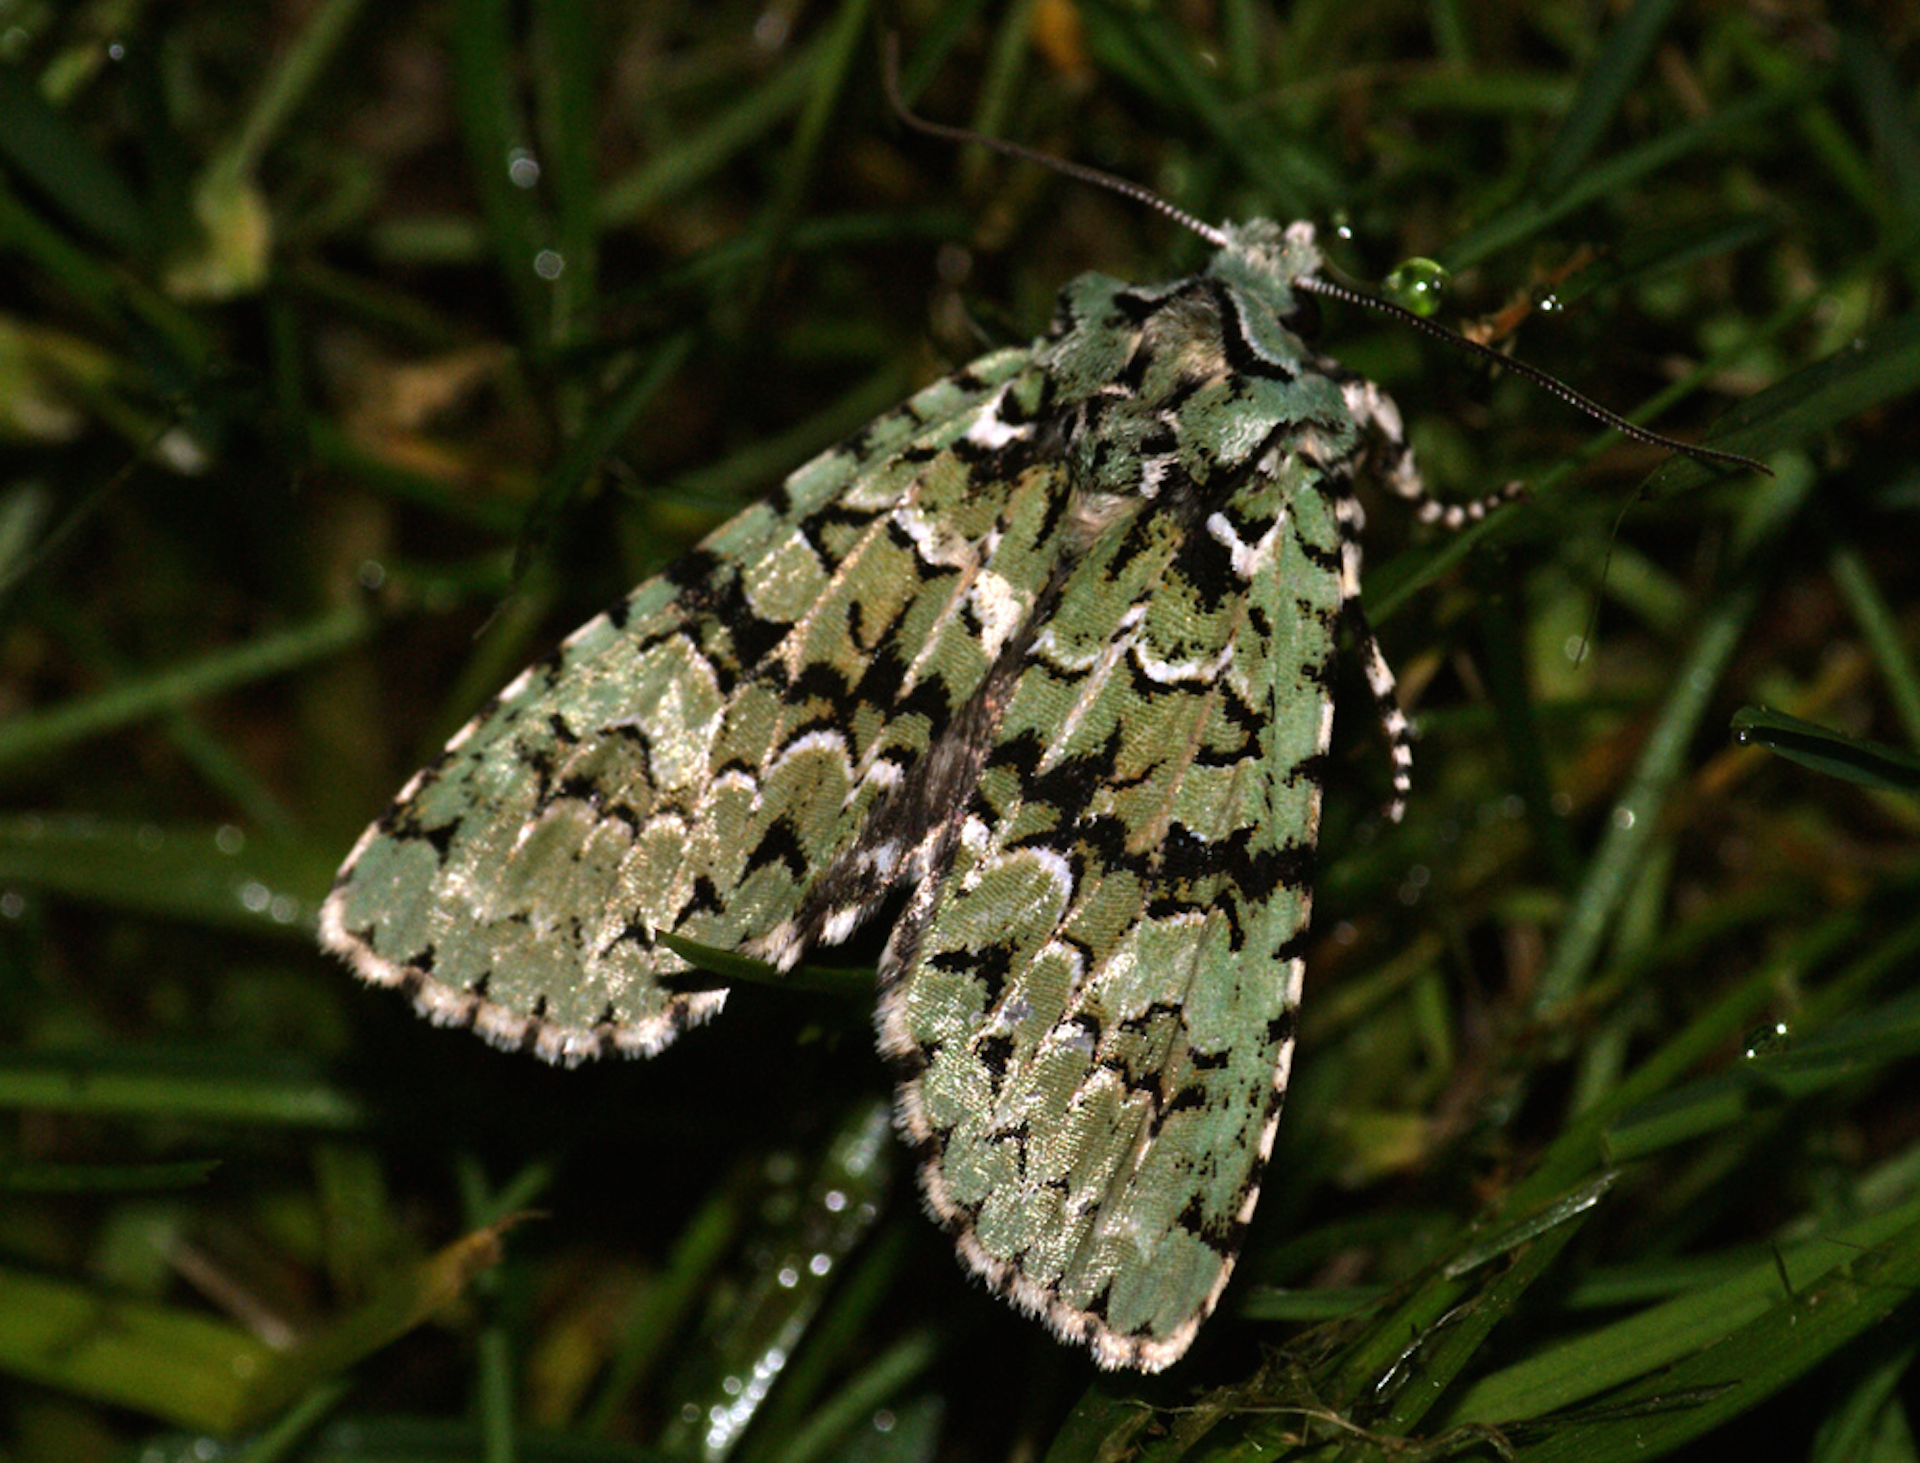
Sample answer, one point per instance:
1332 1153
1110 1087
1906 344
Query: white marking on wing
1175 672
1001 609
1058 871
991 432
820 739
1097 668
936 543
1249 559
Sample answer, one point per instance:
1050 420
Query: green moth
1048 650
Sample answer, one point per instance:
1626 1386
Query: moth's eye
1304 318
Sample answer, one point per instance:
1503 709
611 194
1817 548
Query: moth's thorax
1166 395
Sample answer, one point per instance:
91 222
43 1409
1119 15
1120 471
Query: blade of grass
1731 125
1742 1339
614 417
1881 631
1852 759
1605 83
667 1303
493 132
183 1086
159 1361
839 43
763 106
827 1430
566 62
1881 97
103 1178
1580 1148
841 1338
409 1299
1840 1055
1411 1342
1880 366
104 293
209 876
46 149
140 697
1636 812
1453 1342
1143 44
1870 1425
796 1254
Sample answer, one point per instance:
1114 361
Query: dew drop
1770 1040
1417 285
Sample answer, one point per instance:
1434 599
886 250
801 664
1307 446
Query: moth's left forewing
1093 998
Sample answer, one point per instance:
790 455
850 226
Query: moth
1046 654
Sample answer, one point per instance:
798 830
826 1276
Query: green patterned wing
689 760
1091 996
1092 999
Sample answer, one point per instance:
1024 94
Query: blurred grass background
350 355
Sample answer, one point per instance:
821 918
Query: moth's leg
1376 412
1393 721
1378 416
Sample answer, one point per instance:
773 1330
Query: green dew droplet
1417 285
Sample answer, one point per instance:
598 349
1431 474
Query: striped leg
1375 411
1373 408
1393 721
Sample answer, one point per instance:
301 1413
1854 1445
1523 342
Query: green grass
1602 1143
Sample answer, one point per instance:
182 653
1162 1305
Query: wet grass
353 355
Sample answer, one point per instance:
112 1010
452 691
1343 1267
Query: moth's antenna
1126 188
1553 385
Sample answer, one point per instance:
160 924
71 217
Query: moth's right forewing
691 759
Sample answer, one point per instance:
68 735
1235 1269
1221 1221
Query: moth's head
1264 259
1261 253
